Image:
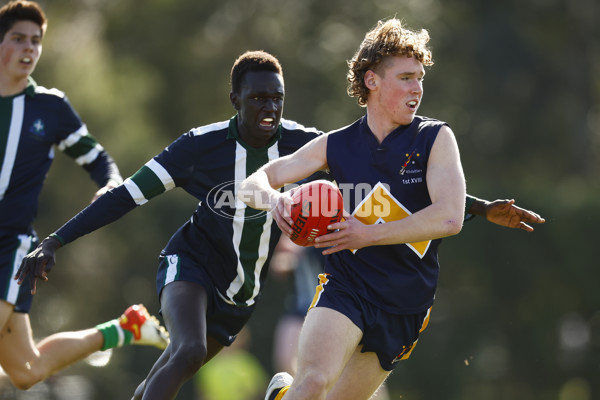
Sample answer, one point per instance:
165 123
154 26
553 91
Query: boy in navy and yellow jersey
403 187
33 122
212 270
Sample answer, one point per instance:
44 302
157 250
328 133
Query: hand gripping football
317 204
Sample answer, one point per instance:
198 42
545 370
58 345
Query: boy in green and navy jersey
33 122
212 271
230 243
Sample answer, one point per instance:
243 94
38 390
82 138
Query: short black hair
252 61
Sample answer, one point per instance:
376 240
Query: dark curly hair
252 61
21 10
387 38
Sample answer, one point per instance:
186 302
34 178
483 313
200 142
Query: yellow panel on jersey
379 206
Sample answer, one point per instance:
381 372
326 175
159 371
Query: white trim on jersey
12 143
238 222
53 91
172 269
162 174
238 227
159 171
135 192
263 248
293 125
73 138
215 126
90 156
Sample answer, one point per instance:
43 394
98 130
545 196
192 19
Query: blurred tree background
517 315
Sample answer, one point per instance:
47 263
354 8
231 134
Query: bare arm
259 190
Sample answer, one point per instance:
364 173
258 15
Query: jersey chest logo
380 206
37 128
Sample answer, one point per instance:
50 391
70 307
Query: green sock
114 335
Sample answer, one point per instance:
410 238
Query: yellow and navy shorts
391 336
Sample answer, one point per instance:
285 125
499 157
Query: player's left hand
350 233
38 263
506 213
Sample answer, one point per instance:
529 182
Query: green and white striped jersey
229 240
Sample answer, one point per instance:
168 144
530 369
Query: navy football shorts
391 336
12 251
223 320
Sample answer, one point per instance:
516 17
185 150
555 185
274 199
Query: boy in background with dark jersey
33 120
381 272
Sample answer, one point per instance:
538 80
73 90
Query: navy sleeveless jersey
381 183
230 241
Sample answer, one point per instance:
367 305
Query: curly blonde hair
387 38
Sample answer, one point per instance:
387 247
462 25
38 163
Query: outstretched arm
108 208
155 177
505 213
111 184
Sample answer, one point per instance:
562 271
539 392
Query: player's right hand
38 263
281 212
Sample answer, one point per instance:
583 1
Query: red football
317 204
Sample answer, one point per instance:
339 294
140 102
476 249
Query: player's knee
315 383
190 357
25 379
